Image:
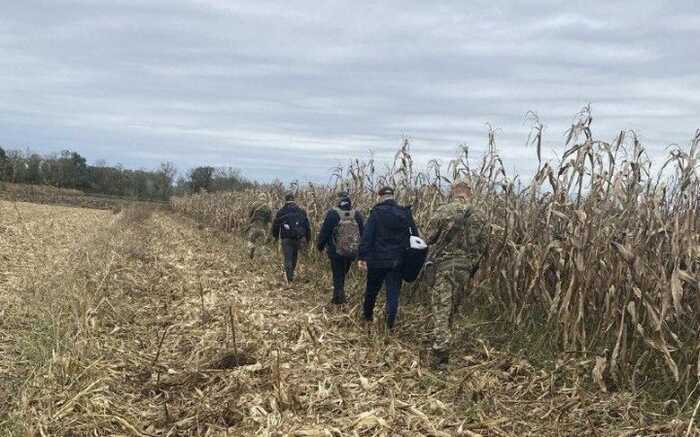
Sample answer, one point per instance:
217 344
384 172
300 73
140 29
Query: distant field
34 235
45 194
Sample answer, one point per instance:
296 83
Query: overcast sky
290 89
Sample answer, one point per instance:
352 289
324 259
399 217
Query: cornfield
599 250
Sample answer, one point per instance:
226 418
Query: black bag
414 259
293 226
415 255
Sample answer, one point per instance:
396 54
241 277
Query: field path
317 371
172 331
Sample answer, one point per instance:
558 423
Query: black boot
338 297
440 360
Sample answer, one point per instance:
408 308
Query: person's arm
324 234
434 236
276 225
360 221
477 237
367 242
436 225
307 225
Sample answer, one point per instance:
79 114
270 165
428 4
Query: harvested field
48 195
38 235
145 323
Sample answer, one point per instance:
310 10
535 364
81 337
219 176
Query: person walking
259 218
384 242
458 241
291 225
340 236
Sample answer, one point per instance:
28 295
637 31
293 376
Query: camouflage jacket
259 213
459 237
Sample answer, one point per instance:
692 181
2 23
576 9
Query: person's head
344 200
289 197
461 189
386 193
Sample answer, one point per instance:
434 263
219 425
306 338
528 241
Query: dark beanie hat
386 191
289 197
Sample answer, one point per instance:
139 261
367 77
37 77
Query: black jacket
289 208
326 235
386 235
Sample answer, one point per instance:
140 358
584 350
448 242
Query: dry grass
150 325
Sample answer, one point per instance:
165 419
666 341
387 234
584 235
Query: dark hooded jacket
326 236
290 209
386 235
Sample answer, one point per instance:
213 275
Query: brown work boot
440 360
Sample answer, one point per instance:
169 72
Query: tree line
69 169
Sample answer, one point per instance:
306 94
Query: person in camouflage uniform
259 219
458 241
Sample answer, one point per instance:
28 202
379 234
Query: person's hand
362 265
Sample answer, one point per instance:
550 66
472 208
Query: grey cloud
291 90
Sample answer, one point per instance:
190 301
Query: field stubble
49 195
142 323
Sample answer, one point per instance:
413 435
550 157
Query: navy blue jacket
326 237
386 235
278 230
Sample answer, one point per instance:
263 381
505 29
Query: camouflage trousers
446 285
256 236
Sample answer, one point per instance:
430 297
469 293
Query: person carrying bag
340 236
382 252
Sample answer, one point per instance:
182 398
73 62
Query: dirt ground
145 323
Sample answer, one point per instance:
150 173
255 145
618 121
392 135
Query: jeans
391 278
340 267
290 251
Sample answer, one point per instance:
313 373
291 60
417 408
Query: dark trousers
290 251
391 278
340 267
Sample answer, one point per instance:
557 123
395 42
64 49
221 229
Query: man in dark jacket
328 238
291 225
384 242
